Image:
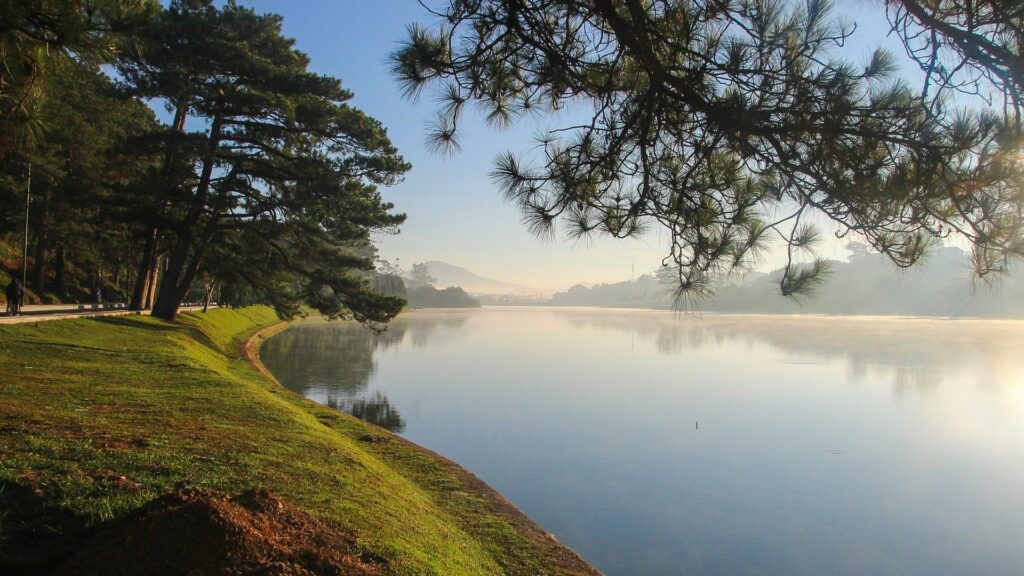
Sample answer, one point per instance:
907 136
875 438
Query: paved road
44 312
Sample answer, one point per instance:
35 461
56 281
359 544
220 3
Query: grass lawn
98 416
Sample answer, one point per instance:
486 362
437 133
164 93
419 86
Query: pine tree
40 38
965 46
727 123
285 175
84 176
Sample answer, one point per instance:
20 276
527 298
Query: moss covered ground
99 416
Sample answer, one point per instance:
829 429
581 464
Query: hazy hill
451 275
644 292
450 297
866 284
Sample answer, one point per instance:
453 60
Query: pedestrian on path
15 293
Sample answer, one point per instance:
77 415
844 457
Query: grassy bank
101 416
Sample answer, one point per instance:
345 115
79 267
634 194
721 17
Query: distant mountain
451 275
866 284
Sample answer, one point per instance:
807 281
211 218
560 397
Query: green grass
100 416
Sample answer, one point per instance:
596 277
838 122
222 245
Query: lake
659 443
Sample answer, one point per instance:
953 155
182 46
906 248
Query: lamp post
24 253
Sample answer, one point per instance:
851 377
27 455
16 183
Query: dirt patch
14 418
250 348
110 480
202 533
71 430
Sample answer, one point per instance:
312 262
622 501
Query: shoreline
567 558
130 409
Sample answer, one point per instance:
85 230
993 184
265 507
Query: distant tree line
450 297
258 182
866 283
417 288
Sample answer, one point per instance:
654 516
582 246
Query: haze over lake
657 443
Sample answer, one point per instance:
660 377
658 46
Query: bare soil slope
205 533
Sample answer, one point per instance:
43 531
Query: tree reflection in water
375 409
333 362
916 353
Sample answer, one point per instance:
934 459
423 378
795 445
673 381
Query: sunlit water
654 443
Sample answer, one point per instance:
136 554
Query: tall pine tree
281 183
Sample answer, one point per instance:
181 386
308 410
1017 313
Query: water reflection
334 362
915 353
839 446
375 409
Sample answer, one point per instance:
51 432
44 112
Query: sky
455 213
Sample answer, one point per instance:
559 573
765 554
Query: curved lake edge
824 422
494 502
133 409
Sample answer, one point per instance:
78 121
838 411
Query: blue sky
455 213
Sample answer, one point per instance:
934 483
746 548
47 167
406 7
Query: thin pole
24 253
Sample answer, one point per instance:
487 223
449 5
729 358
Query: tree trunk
94 284
167 296
58 269
42 244
146 270
152 282
142 295
181 268
39 263
128 271
209 287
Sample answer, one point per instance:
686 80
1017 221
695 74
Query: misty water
656 443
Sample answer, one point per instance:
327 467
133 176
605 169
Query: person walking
14 293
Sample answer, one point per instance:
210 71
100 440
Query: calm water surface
654 443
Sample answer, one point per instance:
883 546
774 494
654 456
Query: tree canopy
420 275
261 182
42 38
279 188
728 122
85 178
965 46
